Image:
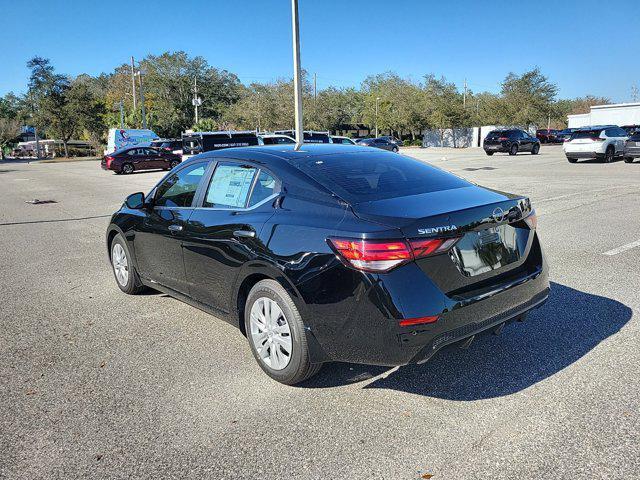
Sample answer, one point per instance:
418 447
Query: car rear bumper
633 152
371 334
583 155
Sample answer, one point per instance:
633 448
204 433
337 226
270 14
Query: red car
131 159
547 135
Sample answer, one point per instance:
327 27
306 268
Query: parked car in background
173 145
547 135
340 253
129 160
342 140
273 139
309 136
632 147
604 142
379 143
564 135
510 141
631 129
200 142
392 139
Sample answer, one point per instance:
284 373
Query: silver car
632 147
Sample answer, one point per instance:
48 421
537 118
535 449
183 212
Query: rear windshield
277 140
364 177
586 134
499 133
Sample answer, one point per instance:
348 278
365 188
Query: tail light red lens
597 139
383 255
108 160
503 139
418 321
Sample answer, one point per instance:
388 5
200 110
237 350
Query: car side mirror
135 201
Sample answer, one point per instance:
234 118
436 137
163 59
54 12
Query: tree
528 98
9 130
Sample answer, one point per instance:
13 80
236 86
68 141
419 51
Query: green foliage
86 107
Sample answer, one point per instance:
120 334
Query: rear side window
179 188
635 137
265 187
230 186
316 138
363 177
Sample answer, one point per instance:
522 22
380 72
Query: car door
158 242
527 141
224 229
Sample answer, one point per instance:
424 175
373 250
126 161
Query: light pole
297 84
144 113
196 101
133 84
377 101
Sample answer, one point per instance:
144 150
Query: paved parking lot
97 384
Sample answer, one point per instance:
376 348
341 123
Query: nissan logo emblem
499 215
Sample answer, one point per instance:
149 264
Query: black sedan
380 142
332 253
510 141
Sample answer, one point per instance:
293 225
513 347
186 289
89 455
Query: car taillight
383 255
532 220
597 139
503 139
108 159
407 322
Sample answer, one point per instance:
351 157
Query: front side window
229 186
179 188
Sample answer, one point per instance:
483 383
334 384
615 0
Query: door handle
244 233
175 228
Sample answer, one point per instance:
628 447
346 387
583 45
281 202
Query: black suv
510 141
332 253
379 142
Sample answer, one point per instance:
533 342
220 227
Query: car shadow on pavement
553 337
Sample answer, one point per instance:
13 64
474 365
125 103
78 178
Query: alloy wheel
270 333
120 264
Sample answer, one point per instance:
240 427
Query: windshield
586 134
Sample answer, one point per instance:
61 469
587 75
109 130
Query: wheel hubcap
120 264
270 333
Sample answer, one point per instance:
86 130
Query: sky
585 47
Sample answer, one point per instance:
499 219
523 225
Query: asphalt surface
98 384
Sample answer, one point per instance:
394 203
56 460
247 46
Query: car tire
513 149
536 149
609 154
628 159
173 164
123 268
267 333
488 153
394 149
572 160
127 169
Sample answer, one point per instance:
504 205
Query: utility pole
315 86
121 105
464 95
133 84
548 123
144 113
377 100
297 84
35 133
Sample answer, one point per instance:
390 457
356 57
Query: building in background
620 114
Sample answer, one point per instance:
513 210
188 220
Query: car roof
286 152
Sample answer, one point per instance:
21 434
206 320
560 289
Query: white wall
620 114
579 120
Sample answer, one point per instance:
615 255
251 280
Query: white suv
604 142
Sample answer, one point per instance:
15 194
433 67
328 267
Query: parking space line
623 248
